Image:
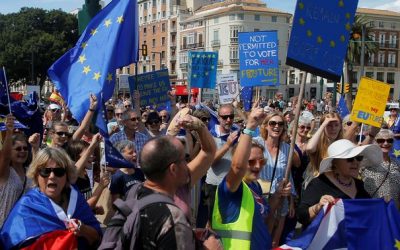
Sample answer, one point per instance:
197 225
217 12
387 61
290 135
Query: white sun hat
344 149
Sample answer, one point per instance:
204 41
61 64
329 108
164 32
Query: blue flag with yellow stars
320 35
110 41
342 107
202 69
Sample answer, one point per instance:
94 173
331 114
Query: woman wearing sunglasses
338 178
383 181
53 204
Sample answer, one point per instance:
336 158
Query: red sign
16 95
182 90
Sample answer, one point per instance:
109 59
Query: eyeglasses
304 127
240 121
118 114
225 117
163 116
205 119
55 110
61 133
134 119
357 158
381 140
274 123
252 163
128 106
45 172
111 110
19 149
152 122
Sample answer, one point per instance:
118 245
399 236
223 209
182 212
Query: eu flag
342 107
247 97
109 42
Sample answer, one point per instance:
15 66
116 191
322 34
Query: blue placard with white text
202 69
153 87
320 35
258 56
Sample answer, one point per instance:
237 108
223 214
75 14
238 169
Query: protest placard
123 82
370 102
258 57
320 35
228 88
202 69
152 86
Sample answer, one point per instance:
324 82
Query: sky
8 6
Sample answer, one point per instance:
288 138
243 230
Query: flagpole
8 94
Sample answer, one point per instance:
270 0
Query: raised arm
81 163
87 119
313 142
5 153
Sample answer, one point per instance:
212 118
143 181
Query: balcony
234 40
183 66
392 65
172 58
371 64
172 44
392 45
379 64
173 30
215 43
220 63
193 46
234 60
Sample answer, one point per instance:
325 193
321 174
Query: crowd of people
222 168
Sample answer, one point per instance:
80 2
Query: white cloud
393 6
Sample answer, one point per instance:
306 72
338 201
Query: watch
250 132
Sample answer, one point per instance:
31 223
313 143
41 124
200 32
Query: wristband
250 132
92 110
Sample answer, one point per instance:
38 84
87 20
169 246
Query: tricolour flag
352 224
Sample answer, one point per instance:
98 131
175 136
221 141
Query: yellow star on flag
198 56
213 56
206 73
209 55
204 56
82 58
212 67
301 6
194 76
319 39
107 23
301 21
309 33
84 45
341 3
396 152
348 16
109 77
93 32
96 76
397 244
348 26
120 19
332 44
342 38
86 69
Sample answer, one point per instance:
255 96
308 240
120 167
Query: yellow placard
370 102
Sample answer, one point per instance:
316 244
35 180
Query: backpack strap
154 198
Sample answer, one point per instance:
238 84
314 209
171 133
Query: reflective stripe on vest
237 234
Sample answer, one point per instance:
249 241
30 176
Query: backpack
123 229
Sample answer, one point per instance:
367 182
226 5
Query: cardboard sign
153 87
320 35
228 88
258 56
202 69
370 102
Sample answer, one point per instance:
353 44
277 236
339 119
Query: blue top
121 182
229 205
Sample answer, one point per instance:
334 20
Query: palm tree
354 48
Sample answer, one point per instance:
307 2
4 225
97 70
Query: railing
193 46
234 60
234 40
215 43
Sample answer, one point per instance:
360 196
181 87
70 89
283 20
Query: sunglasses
274 123
111 110
45 172
304 127
152 122
60 133
118 114
205 119
134 119
252 163
357 158
225 117
55 110
128 106
380 141
163 116
19 149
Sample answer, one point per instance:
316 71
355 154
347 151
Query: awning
182 90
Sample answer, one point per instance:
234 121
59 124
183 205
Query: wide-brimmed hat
345 149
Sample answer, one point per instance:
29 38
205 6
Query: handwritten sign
153 87
258 57
370 102
320 35
202 69
228 88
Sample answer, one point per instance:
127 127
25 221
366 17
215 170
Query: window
153 43
154 3
274 19
392 59
216 20
372 36
190 38
153 67
164 1
393 41
163 14
234 30
240 16
381 25
313 79
153 56
354 77
183 57
162 41
163 27
379 76
154 29
393 26
257 17
144 69
145 19
233 53
372 24
231 17
162 54
154 16
381 40
145 5
390 77
371 59
381 58
216 35
144 30
369 74
256 30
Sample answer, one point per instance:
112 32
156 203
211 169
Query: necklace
343 183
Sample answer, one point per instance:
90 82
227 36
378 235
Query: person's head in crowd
344 158
127 104
128 150
145 114
255 163
119 110
163 161
268 110
288 116
393 110
56 111
279 96
52 171
238 121
164 115
20 150
334 130
76 149
203 115
153 122
59 134
304 127
226 116
273 126
130 120
110 112
385 138
182 105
